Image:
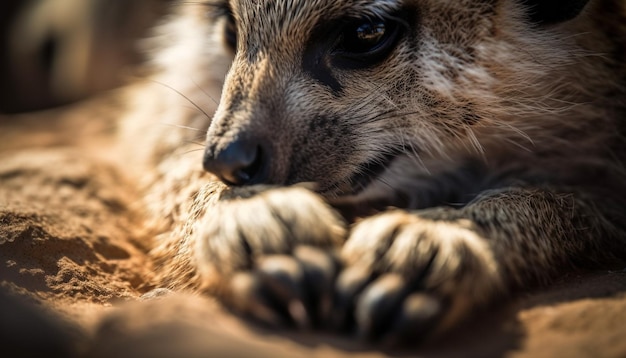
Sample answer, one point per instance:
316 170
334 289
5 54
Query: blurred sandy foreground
72 253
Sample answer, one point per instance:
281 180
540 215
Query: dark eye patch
350 43
221 9
548 12
230 31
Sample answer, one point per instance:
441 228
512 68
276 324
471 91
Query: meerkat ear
547 12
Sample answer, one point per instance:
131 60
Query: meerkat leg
412 273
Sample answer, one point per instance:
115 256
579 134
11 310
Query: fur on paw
406 276
272 253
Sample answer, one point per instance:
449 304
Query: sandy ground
73 267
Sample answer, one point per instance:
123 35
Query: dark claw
283 279
350 283
248 298
415 320
378 306
320 270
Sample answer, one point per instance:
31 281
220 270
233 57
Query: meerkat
383 166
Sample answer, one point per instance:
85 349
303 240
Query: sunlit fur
507 137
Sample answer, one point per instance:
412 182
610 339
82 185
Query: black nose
242 162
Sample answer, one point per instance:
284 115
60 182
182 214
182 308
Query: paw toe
287 290
389 312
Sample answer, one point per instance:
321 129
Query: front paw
407 276
271 255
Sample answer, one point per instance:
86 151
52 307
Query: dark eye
230 31
363 38
367 41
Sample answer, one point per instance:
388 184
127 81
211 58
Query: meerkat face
333 91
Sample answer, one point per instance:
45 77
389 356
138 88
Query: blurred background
55 52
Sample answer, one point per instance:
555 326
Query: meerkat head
333 91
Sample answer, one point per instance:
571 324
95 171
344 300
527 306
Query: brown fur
501 142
